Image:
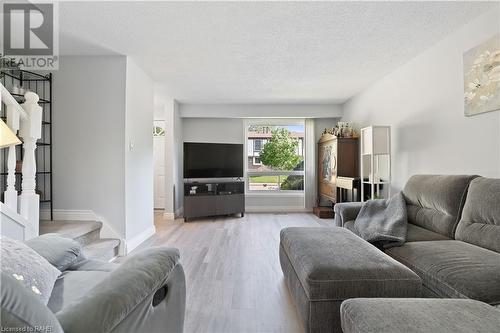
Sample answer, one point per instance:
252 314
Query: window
276 156
257 145
256 161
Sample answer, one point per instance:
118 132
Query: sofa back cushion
30 269
480 222
60 251
435 202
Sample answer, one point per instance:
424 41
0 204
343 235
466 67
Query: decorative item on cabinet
342 130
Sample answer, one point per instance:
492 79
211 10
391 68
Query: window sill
274 194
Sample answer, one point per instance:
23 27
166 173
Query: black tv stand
203 199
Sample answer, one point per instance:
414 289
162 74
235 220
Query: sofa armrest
127 292
60 251
346 211
22 311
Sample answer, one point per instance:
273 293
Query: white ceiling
262 52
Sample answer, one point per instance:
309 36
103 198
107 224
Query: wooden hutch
338 166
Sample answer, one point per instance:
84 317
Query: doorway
159 163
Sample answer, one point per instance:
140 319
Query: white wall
138 154
88 137
101 105
174 195
260 110
217 130
179 161
423 102
231 130
320 124
223 123
170 133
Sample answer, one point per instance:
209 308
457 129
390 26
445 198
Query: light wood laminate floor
233 275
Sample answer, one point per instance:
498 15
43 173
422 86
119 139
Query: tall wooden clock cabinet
338 161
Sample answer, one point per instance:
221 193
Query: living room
237 212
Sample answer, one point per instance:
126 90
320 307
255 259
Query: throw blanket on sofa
383 222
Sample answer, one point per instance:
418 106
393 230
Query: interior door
159 171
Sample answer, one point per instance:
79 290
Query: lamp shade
7 137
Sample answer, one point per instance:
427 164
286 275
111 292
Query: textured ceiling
262 52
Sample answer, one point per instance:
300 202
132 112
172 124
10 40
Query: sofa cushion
73 285
453 269
434 202
480 222
377 315
418 234
332 263
414 233
28 268
93 265
60 251
77 281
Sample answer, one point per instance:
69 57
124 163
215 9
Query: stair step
102 249
84 232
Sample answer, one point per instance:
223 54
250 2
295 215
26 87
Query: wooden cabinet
337 157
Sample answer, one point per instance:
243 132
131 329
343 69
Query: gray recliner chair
147 293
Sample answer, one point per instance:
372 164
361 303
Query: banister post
31 131
10 195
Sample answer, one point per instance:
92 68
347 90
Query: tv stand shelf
203 199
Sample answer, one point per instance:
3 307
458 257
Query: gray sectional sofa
453 240
146 293
453 248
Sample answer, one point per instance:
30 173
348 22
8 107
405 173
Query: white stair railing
10 195
26 121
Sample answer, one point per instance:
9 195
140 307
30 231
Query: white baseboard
169 216
277 209
172 216
137 240
69 215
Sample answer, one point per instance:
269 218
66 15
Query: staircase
87 233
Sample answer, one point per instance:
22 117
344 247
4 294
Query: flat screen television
212 160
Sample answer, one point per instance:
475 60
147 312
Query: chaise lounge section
325 266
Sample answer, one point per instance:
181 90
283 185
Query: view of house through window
275 157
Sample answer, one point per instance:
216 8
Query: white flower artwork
482 77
